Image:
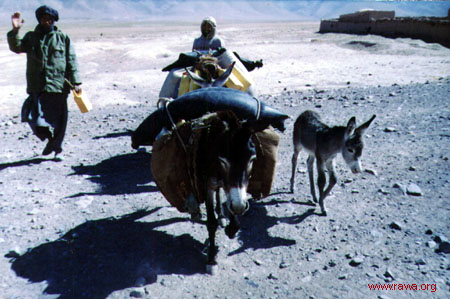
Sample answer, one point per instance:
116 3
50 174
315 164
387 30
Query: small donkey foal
324 143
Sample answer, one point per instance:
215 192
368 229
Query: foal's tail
296 133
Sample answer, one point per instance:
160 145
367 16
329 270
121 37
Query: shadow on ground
25 162
123 174
255 227
114 135
99 257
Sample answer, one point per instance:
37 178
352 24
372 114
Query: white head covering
211 21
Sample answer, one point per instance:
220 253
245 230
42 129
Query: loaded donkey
211 144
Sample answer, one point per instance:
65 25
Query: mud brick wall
433 30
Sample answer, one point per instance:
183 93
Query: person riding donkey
208 48
209 40
51 61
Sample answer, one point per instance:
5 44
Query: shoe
57 152
48 149
57 158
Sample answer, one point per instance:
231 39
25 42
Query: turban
45 10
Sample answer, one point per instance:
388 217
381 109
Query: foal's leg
310 164
297 149
321 181
212 225
332 181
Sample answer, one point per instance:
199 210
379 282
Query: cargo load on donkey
208 65
199 102
177 180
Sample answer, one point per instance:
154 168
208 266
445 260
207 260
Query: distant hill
231 10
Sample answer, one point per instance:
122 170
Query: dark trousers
49 113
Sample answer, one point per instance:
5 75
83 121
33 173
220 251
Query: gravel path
94 225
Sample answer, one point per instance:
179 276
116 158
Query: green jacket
50 59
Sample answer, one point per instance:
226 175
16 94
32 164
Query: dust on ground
94 225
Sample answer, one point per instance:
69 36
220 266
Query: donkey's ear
196 78
351 125
220 81
362 128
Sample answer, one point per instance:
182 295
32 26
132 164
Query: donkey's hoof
196 217
311 202
324 213
231 231
222 222
205 247
212 269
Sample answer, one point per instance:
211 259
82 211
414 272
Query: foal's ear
351 125
362 128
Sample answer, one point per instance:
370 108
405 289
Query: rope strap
174 126
258 111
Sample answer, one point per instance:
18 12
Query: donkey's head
353 143
236 158
210 80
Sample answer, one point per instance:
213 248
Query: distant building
384 23
366 16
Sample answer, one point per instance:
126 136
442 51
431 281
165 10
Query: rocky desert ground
94 225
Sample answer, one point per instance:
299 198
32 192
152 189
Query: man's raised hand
16 21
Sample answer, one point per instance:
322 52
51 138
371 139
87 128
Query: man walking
50 61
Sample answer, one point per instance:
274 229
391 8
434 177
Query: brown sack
266 144
169 169
173 162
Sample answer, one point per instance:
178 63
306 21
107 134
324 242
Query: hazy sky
250 10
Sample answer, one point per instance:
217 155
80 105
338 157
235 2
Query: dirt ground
94 225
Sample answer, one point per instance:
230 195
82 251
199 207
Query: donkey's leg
219 210
233 227
321 181
297 150
310 163
332 181
332 175
212 225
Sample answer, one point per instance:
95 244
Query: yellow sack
186 84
